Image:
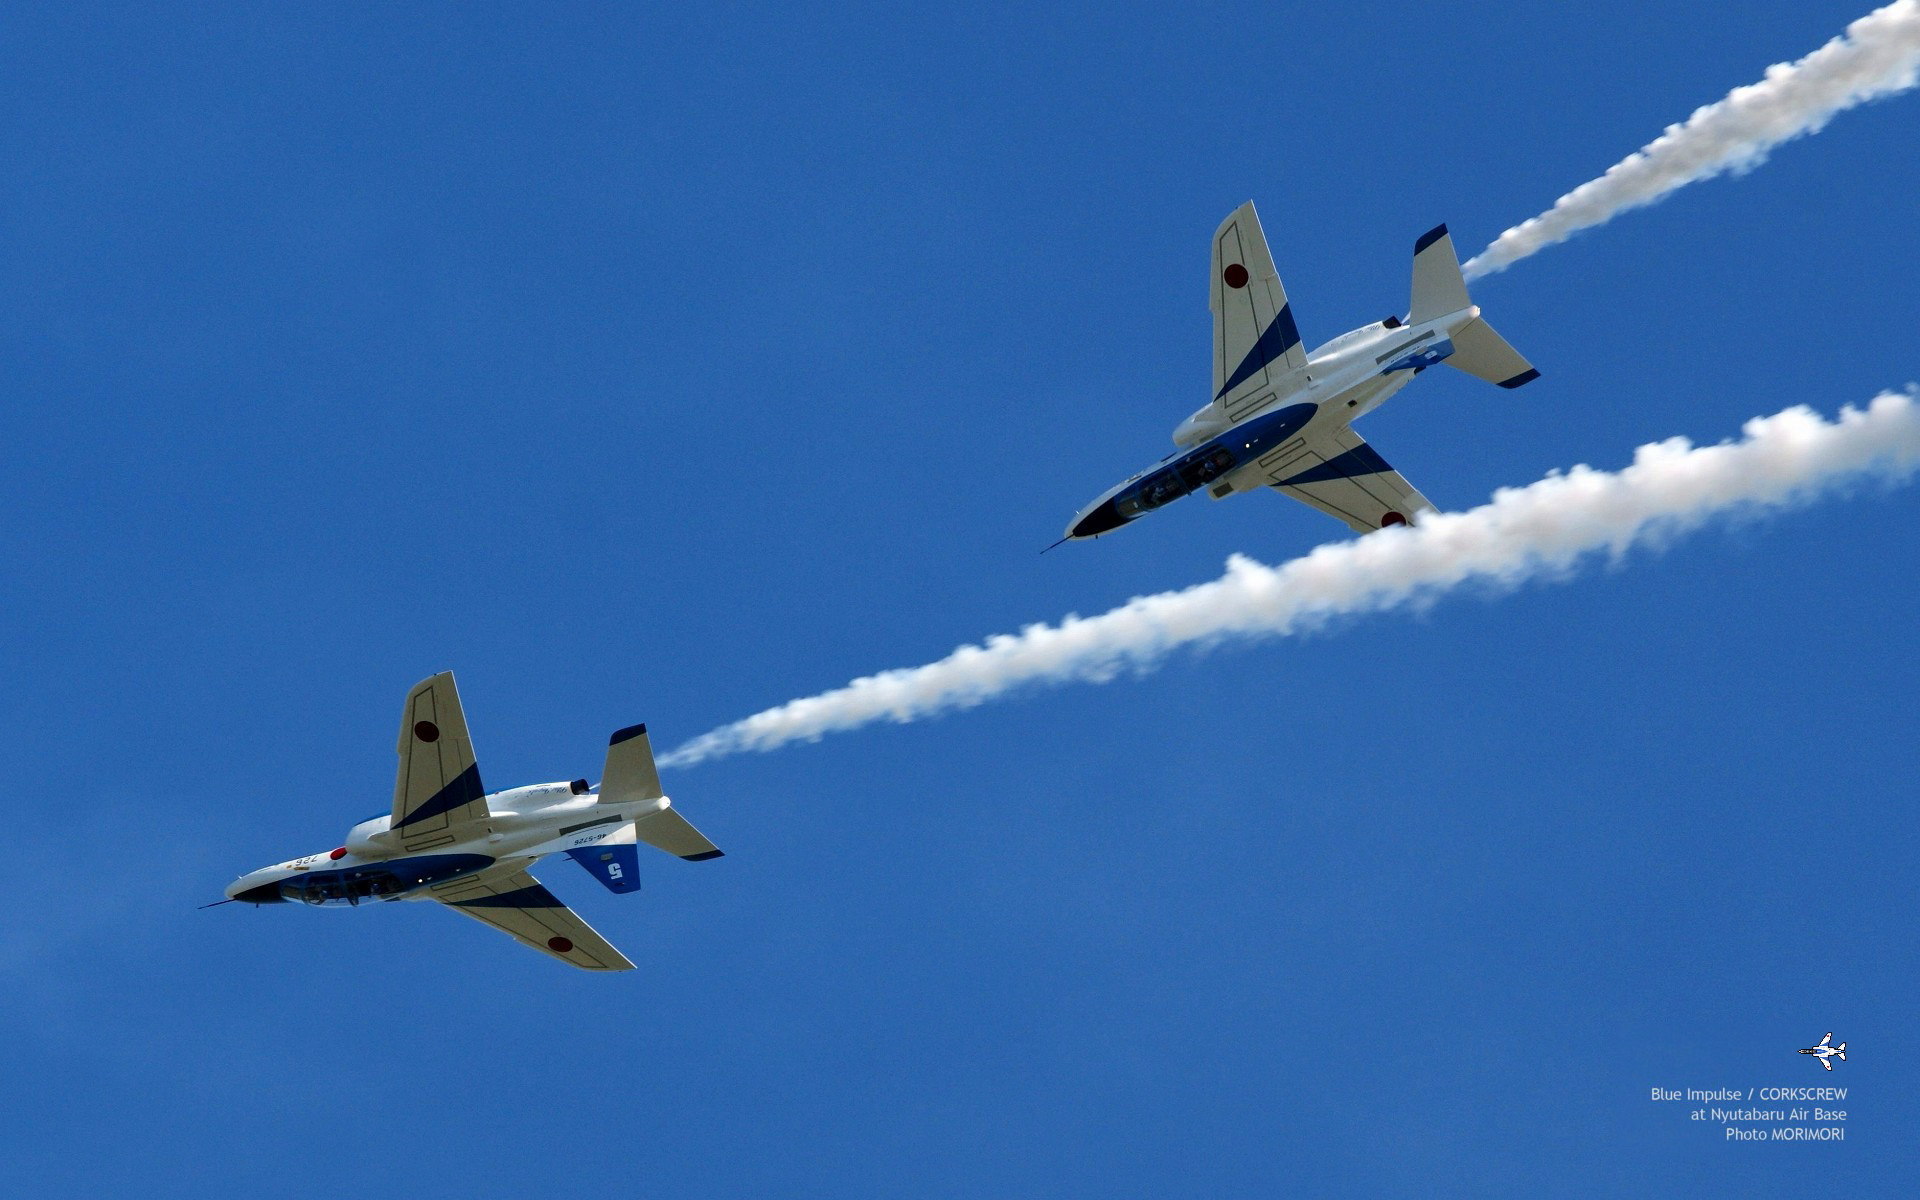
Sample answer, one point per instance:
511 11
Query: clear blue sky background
666 365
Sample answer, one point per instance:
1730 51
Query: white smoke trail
1877 56
1541 530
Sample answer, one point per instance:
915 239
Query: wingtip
1520 380
627 734
704 855
1230 218
1430 237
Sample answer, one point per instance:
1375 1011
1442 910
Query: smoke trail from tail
1542 530
1877 56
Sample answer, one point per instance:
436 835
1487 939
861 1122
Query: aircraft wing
437 797
1826 1062
513 902
1257 356
1825 1039
1347 479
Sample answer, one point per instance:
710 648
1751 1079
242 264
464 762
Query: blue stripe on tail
617 867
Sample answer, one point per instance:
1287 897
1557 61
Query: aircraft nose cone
1104 518
266 893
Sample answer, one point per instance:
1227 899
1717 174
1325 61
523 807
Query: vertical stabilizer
1439 290
1438 286
630 773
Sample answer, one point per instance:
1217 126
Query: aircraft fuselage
525 824
1348 377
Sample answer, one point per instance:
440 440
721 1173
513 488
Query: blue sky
658 364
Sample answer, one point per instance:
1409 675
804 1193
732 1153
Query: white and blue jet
449 841
1825 1051
1281 417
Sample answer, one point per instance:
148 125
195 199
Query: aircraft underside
1282 419
448 840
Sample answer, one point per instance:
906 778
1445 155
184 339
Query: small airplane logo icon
1826 1052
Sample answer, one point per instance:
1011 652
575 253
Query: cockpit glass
1200 471
1160 489
335 887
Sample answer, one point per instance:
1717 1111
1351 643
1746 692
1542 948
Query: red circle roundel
337 855
1235 275
426 731
559 945
1392 518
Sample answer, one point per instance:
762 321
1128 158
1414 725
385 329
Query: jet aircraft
1826 1052
1282 418
449 841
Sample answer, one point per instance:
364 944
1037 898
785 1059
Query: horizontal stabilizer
668 830
1484 354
